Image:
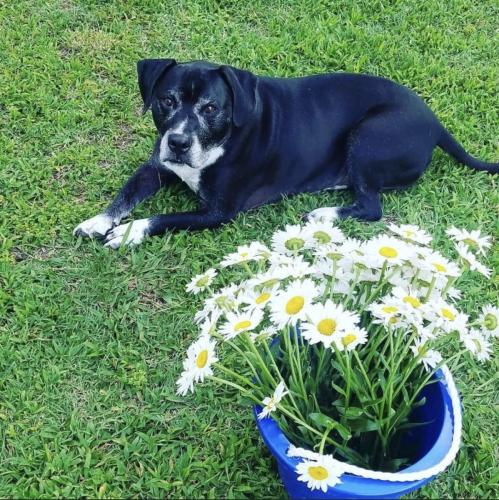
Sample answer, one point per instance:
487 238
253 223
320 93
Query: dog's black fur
242 141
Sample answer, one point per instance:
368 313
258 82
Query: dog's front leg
146 181
134 232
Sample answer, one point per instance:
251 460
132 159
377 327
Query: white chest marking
191 176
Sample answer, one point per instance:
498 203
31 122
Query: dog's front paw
129 234
325 214
97 226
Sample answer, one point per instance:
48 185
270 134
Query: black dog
240 141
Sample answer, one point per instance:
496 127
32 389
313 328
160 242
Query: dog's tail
451 146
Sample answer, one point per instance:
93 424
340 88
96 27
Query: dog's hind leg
388 150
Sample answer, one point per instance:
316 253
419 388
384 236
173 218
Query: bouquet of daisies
334 337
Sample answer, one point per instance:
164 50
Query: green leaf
353 412
339 389
322 420
363 425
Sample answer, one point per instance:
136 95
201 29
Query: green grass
91 340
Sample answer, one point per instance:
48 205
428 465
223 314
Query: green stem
237 349
323 440
430 289
276 368
248 269
243 379
263 365
345 451
235 386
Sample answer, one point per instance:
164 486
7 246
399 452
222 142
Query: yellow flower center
470 242
262 298
409 233
322 237
389 309
388 252
242 325
271 404
393 320
201 282
294 244
334 255
490 321
478 345
295 304
327 326
439 267
202 359
318 472
413 301
448 314
348 339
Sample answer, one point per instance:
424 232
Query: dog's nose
179 143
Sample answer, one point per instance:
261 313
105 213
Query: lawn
91 340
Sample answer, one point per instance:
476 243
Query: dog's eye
209 109
168 102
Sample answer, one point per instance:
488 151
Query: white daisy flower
290 305
185 383
297 268
319 474
321 233
209 325
477 344
446 317
352 337
342 278
245 253
290 241
257 298
489 321
411 233
437 264
225 299
386 249
472 239
209 310
330 251
260 250
241 322
270 404
409 297
327 322
197 365
201 282
266 280
471 261
430 358
452 293
386 313
353 248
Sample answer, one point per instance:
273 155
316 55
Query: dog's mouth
176 161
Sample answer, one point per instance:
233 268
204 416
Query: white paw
129 234
96 226
325 214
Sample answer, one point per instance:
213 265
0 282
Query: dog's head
196 106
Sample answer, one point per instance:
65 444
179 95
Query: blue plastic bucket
434 440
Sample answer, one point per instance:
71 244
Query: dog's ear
243 86
149 72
